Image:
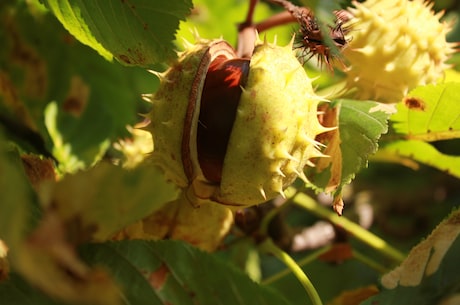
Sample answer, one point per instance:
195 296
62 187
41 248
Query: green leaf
361 124
422 152
106 198
430 272
136 32
18 291
429 113
92 100
170 272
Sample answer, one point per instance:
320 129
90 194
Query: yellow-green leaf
136 32
422 152
429 113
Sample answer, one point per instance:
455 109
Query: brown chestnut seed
218 51
219 101
234 131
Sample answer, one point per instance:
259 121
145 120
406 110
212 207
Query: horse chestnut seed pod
231 130
397 46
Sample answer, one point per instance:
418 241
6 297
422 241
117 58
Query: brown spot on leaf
78 229
37 169
13 102
77 97
26 57
133 56
414 103
158 278
124 58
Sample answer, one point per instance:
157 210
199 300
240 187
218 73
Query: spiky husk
395 46
273 135
272 138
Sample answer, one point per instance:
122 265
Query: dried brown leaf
425 258
50 262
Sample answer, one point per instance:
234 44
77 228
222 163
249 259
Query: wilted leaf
48 260
92 204
136 32
104 199
42 253
177 274
429 273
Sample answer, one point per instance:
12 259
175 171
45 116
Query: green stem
303 262
354 229
269 247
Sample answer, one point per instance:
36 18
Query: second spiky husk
395 46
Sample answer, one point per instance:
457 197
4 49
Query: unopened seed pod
395 46
231 130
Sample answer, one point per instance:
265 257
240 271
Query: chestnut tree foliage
85 218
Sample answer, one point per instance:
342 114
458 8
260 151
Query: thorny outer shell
396 46
272 138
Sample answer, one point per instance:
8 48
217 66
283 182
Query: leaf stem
303 262
354 229
269 246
